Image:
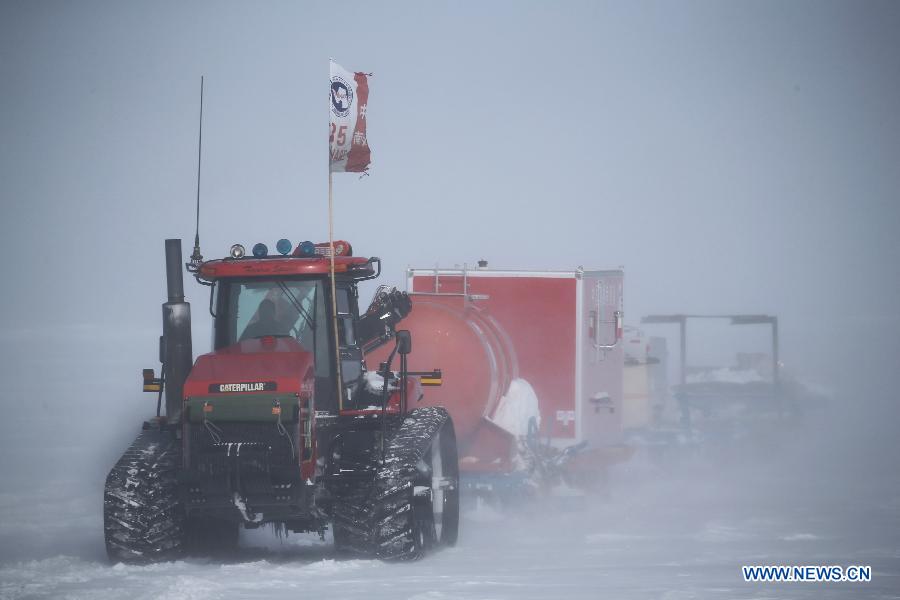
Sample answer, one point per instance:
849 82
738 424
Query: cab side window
351 355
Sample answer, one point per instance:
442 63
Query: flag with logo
348 146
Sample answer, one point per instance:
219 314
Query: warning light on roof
260 250
284 246
305 249
237 251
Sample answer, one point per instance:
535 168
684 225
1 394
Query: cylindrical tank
471 349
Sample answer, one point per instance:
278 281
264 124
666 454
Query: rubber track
377 520
390 510
350 522
142 519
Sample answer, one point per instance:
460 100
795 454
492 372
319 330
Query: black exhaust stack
177 355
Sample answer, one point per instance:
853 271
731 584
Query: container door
601 358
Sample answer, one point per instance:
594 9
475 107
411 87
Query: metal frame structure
681 320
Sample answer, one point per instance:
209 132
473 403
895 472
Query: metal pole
334 316
683 329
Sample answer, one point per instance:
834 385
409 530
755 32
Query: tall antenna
196 257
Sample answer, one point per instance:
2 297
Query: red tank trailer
532 365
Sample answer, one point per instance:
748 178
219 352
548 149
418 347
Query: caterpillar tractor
283 423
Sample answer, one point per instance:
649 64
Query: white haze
732 157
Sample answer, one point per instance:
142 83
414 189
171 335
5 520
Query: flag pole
334 316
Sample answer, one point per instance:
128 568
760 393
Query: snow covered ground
657 535
675 529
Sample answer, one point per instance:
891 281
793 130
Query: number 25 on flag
341 135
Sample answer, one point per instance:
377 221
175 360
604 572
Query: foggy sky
733 157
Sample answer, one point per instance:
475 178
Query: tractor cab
264 304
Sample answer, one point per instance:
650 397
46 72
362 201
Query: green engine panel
255 408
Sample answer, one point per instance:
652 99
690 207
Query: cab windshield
254 308
281 308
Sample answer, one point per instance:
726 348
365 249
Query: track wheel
142 517
415 507
437 492
349 524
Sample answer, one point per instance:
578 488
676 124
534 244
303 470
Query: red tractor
271 428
